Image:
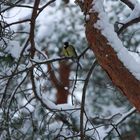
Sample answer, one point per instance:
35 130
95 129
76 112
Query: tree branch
83 100
128 3
131 22
107 57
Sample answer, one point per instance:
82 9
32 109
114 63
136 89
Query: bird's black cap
66 43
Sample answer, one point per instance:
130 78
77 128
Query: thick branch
62 93
108 59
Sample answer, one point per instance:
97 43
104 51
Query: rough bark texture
109 61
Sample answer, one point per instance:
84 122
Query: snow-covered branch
133 18
110 52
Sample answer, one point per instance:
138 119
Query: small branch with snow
120 120
133 18
129 3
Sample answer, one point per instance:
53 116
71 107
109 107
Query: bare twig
83 99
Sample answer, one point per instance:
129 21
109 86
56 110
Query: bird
69 51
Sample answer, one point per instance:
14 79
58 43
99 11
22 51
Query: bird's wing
65 52
73 50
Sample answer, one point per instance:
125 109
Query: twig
83 99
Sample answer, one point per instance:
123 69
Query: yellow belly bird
69 51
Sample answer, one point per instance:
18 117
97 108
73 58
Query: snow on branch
115 59
119 121
107 30
134 14
130 3
133 18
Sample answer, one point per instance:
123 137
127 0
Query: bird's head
66 44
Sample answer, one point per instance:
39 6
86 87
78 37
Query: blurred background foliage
59 22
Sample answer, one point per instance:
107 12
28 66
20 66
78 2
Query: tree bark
62 85
107 58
